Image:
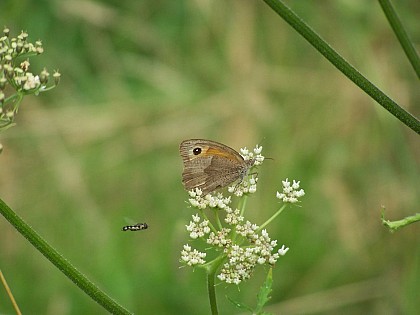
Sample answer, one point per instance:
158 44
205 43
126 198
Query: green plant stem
242 204
395 225
60 262
211 289
341 64
206 218
211 269
271 219
401 34
7 125
219 223
241 207
11 98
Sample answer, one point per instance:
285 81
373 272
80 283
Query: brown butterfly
210 165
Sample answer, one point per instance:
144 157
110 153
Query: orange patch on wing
216 151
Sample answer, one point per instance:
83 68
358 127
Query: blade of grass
60 262
341 64
401 34
9 293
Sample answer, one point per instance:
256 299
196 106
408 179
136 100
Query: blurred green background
138 77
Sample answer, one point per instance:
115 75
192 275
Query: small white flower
261 260
272 260
257 149
244 152
192 193
24 65
295 184
196 218
283 250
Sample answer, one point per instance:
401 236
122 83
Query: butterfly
210 165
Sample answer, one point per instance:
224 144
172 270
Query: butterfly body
210 165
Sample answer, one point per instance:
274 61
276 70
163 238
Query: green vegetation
101 151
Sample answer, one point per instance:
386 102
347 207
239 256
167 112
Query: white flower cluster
247 230
192 257
196 228
233 217
241 259
27 80
199 201
291 193
241 263
248 185
245 186
255 155
10 48
19 45
220 239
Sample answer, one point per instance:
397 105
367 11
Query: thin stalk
9 293
216 214
401 34
241 207
271 219
242 204
60 262
206 218
341 64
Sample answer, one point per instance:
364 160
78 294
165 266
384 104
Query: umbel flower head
240 244
291 192
16 79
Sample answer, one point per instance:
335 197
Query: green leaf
239 304
264 295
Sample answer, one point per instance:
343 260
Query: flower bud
56 77
44 76
3 82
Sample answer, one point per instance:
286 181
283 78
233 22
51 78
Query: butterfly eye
196 151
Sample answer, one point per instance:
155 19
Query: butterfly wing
221 173
209 165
